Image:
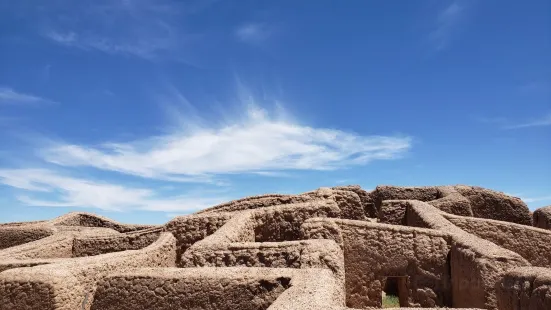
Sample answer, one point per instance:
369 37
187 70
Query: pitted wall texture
331 248
526 288
534 244
542 218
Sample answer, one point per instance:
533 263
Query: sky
141 110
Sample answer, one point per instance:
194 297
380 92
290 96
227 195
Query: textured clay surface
542 218
334 248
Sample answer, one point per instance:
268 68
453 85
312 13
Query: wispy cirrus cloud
11 96
49 188
509 124
446 24
255 143
142 28
537 122
253 33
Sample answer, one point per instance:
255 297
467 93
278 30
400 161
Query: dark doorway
396 292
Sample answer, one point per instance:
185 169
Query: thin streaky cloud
446 22
146 29
67 191
542 122
253 33
10 96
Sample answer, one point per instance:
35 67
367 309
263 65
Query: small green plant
391 301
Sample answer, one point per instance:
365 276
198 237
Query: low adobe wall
476 264
373 252
268 237
445 198
191 288
527 288
95 245
365 198
70 284
460 200
256 202
219 288
542 218
192 228
347 199
534 244
20 234
84 219
494 205
58 245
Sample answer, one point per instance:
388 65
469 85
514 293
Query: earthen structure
332 248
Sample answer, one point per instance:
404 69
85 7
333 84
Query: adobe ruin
333 248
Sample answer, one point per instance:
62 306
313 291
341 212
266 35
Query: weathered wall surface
90 246
494 205
451 201
256 202
393 212
532 243
70 284
84 219
373 252
317 250
476 264
200 289
527 288
20 234
542 218
366 200
283 223
460 200
192 228
58 245
347 199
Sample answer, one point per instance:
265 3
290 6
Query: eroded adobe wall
70 284
532 243
366 200
84 219
490 204
393 212
476 264
347 199
95 245
373 252
192 228
58 245
542 218
526 288
284 223
198 289
20 234
256 202
234 243
445 198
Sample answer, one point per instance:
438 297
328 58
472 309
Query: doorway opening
395 292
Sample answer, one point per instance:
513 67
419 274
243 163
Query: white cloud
8 95
544 121
146 29
446 23
76 192
256 143
536 199
253 33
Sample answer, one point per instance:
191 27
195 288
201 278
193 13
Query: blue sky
140 110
